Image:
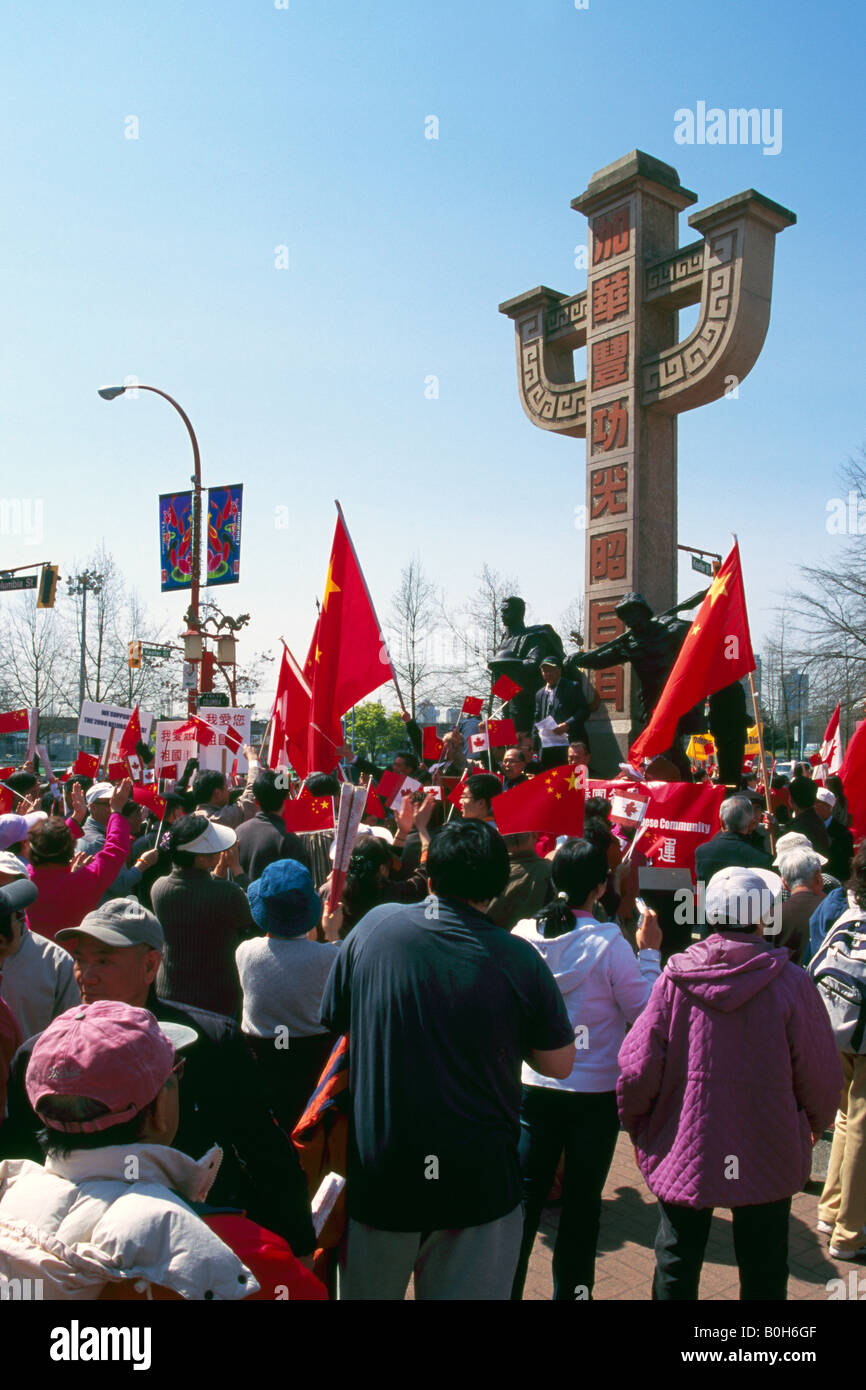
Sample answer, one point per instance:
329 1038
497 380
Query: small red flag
146 796
388 785
204 732
506 688
131 736
853 774
308 813
431 749
502 733
6 772
232 739
374 810
168 772
15 721
7 801
117 772
86 765
552 801
455 795
472 705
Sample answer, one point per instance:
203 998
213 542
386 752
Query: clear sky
303 127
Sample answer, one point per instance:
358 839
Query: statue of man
520 657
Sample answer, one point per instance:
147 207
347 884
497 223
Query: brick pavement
625 1264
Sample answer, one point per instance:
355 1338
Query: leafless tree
412 632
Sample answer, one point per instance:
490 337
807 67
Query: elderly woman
727 1078
282 977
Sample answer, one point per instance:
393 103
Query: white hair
799 866
736 814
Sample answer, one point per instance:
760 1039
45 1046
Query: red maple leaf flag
551 802
505 688
131 736
831 748
349 657
472 705
717 651
15 721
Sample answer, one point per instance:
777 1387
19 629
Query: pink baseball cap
108 1052
15 828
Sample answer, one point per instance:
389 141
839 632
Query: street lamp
110 393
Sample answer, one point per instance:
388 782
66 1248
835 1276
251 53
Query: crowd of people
227 1071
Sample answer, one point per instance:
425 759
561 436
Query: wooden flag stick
767 795
106 752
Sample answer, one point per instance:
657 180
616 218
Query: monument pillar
639 376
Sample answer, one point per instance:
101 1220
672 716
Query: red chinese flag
350 658
204 732
117 772
308 813
472 705
131 736
232 739
716 652
7 801
505 688
502 733
431 748
15 721
168 772
456 793
290 720
6 772
86 765
146 796
853 774
388 785
374 810
552 802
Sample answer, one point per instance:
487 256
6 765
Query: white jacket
604 989
83 1221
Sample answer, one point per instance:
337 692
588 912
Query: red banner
680 816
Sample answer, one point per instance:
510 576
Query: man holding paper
561 711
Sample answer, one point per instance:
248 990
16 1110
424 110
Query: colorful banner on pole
224 534
175 540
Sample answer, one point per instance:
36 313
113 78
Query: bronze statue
519 657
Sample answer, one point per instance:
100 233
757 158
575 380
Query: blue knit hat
284 901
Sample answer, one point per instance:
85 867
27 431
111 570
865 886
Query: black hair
206 783
322 784
174 802
804 793
51 842
782 814
468 860
597 806
598 833
144 753
483 786
411 760
270 792
183 832
22 782
363 887
578 867
61 1142
131 807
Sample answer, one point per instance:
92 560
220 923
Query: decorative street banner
224 534
96 721
175 540
217 756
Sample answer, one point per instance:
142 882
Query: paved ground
628 1224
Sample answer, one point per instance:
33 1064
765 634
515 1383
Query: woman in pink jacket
70 888
727 1078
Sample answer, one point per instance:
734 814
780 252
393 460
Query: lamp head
108 393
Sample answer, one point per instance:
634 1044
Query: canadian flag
627 810
479 743
406 787
831 748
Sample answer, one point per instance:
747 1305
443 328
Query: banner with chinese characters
175 540
218 756
224 534
680 816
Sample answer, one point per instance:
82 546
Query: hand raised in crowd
79 803
331 923
251 754
121 795
79 861
228 862
649 934
28 804
404 817
421 815
148 859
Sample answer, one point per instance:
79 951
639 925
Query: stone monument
640 376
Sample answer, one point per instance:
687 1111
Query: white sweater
604 989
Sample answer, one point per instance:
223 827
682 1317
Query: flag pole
768 800
372 606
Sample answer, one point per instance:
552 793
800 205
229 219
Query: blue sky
304 127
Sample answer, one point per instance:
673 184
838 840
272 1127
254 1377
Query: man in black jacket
117 951
566 703
265 839
731 847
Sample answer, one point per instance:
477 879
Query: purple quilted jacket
730 1066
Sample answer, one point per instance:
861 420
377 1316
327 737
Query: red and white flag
831 748
627 810
479 743
204 732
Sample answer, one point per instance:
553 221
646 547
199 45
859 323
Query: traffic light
47 586
134 656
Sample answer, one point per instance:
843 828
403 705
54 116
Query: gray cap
14 897
119 922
